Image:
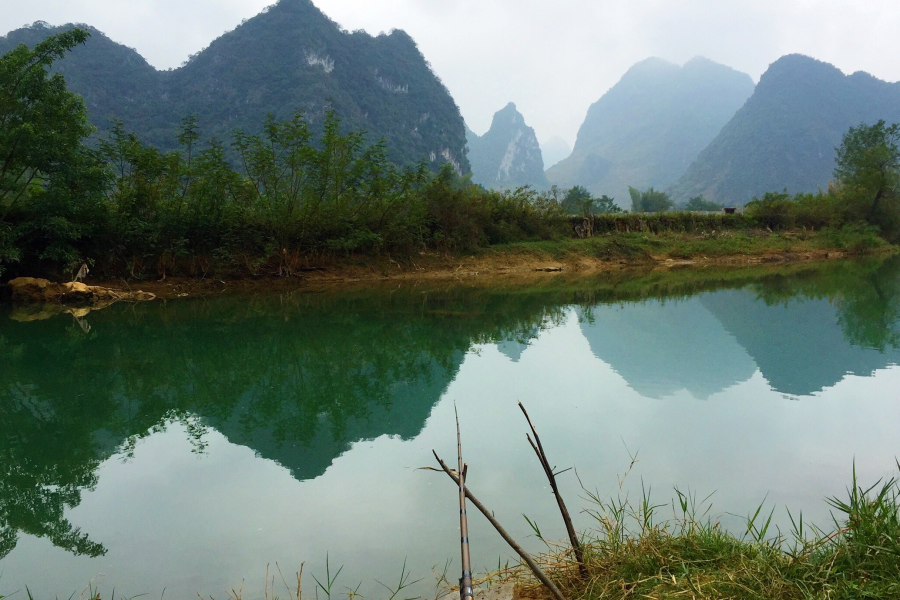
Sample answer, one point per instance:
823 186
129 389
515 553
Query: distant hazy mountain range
508 155
785 136
554 150
649 127
291 57
698 129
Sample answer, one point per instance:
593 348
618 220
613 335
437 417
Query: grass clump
630 555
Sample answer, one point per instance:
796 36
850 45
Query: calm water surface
185 446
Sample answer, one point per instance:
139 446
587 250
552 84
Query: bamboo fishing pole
538 572
465 582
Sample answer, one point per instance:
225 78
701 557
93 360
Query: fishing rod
465 582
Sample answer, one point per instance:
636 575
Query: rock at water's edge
27 290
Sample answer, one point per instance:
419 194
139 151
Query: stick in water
465 582
538 572
551 477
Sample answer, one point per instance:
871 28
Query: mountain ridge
290 57
785 136
647 129
508 155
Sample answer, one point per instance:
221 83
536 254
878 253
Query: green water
186 445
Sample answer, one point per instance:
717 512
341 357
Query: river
176 448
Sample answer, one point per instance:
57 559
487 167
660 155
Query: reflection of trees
41 471
297 378
866 294
870 313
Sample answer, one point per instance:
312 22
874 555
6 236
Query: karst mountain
650 126
785 136
508 155
289 58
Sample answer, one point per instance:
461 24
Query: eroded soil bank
517 264
504 268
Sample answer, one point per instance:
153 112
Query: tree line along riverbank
303 195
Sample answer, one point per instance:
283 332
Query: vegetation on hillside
130 208
784 137
289 58
296 192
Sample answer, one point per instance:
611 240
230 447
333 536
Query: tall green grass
630 553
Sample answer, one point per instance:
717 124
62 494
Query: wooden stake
465 582
538 572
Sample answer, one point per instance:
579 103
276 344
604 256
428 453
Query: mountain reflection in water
707 343
301 377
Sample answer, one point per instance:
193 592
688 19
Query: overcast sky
553 58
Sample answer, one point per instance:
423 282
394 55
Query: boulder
30 290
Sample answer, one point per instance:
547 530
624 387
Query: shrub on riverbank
713 243
669 222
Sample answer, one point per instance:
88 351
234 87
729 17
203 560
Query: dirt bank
509 266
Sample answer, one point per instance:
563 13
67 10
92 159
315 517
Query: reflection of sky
207 522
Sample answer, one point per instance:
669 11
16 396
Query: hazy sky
553 58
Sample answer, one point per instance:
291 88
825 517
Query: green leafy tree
605 204
48 178
868 174
649 201
578 201
699 203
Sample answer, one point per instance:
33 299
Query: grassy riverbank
735 243
631 555
632 254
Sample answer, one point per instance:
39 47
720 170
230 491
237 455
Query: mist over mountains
289 58
649 127
554 150
785 136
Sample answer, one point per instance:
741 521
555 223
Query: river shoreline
528 263
519 264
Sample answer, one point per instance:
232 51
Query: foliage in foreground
629 555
